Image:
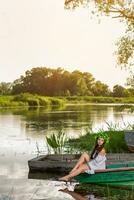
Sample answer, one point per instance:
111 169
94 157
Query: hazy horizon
44 34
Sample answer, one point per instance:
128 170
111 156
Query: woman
90 164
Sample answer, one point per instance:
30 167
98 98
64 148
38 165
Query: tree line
59 82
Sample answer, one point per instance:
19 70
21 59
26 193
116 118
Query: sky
41 33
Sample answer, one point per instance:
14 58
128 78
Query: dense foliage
59 82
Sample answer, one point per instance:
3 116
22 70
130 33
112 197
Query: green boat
118 175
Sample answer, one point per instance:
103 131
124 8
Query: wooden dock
65 162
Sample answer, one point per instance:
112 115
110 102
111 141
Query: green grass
99 99
26 99
116 143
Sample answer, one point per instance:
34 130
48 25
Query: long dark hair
97 149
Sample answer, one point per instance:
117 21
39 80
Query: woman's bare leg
84 158
81 169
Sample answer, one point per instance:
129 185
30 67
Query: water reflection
78 196
14 183
74 117
102 193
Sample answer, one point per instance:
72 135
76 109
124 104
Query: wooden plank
131 148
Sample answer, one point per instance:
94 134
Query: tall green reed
56 141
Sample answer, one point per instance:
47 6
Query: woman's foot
65 178
64 190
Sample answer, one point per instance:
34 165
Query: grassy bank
27 99
99 99
116 143
30 100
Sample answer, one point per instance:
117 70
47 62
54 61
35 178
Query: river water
22 130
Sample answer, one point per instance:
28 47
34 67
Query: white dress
96 163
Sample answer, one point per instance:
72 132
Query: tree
130 81
57 82
67 93
81 87
89 79
120 91
81 83
100 89
75 76
5 88
54 82
118 9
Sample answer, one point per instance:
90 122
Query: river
23 129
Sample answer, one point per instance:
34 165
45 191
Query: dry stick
34 194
